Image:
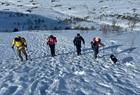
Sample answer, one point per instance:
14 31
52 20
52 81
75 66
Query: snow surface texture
67 73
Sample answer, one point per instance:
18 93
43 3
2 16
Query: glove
12 47
25 46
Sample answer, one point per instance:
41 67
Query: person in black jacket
77 42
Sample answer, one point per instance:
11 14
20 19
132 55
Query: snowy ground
98 11
68 74
52 13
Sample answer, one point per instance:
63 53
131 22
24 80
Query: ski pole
15 53
83 48
48 50
103 53
28 54
45 46
74 50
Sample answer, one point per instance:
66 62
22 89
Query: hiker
51 41
95 44
77 42
20 44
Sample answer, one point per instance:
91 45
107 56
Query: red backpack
51 40
95 41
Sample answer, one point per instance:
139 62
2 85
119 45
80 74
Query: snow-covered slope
29 15
68 74
100 11
67 14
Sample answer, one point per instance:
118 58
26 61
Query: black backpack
77 41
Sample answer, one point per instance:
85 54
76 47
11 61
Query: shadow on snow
90 50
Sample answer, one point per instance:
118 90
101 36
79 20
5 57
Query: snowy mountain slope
87 14
100 11
68 74
29 15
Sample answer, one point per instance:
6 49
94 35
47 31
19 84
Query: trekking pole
15 53
103 53
83 48
28 54
48 50
56 50
45 45
74 50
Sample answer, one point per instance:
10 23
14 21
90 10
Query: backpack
95 40
19 42
51 40
77 41
95 43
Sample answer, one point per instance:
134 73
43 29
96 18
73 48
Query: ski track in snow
66 74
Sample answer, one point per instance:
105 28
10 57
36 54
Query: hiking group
20 45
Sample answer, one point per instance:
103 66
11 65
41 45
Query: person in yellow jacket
20 44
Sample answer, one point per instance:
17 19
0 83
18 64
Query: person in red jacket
51 41
95 44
